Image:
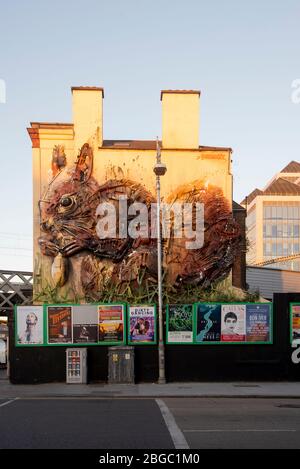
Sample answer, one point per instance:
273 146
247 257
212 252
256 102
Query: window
267 230
279 213
290 213
279 249
279 230
267 248
267 212
290 230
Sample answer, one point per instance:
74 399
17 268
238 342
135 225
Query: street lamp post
159 170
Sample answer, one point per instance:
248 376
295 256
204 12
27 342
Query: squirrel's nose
48 224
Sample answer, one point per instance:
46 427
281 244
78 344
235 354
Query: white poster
233 323
30 325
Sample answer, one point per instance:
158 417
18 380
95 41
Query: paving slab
143 390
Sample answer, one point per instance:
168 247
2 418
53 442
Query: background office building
273 219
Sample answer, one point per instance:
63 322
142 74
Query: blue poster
208 323
258 322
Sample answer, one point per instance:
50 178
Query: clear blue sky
243 56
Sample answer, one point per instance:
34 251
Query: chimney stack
180 118
87 115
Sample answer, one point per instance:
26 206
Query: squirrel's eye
66 204
66 201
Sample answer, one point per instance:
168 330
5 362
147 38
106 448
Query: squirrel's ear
84 164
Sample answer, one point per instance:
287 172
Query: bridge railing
15 288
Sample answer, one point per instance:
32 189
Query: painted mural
79 256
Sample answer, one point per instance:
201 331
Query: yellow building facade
56 150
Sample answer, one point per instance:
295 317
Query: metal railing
274 260
15 289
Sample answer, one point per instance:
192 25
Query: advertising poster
85 324
59 324
295 310
180 323
111 323
258 323
233 323
142 327
30 325
208 323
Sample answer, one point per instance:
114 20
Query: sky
243 56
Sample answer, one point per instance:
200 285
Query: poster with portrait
233 323
111 323
59 324
295 323
258 322
208 322
29 325
180 323
85 324
142 325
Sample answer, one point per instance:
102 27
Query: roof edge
88 88
50 125
179 92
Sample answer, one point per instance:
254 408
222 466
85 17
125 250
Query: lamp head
160 169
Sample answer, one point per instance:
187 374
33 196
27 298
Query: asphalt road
83 423
197 423
241 423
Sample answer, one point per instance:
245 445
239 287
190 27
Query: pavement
151 390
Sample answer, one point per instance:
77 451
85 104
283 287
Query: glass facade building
281 233
273 221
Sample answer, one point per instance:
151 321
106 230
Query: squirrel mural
69 219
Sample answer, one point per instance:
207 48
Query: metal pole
161 348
